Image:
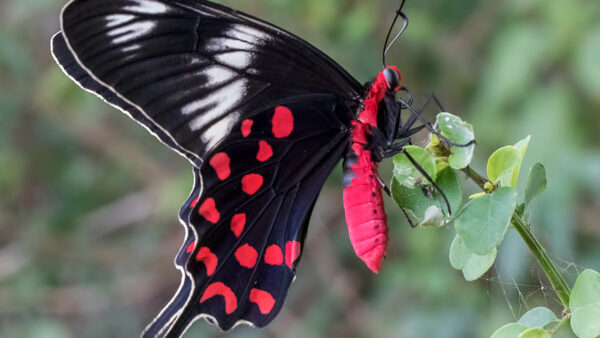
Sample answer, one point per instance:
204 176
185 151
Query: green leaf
585 305
448 181
538 317
406 173
501 164
535 333
511 330
457 131
417 204
459 253
522 146
536 182
472 265
483 221
440 165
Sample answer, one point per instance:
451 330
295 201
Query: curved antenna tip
386 46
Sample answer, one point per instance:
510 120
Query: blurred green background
88 199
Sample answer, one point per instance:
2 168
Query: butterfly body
262 116
363 199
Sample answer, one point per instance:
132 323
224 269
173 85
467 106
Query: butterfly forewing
65 58
192 67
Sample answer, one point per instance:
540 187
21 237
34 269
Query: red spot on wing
194 202
190 247
251 183
209 211
246 256
292 251
263 299
220 289
273 255
209 259
264 151
247 127
220 162
283 122
238 222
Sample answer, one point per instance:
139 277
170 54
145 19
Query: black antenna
386 47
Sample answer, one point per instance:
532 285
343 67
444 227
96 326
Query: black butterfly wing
69 65
194 68
170 312
65 59
184 215
275 216
192 72
177 303
252 214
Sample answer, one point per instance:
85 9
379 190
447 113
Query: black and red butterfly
263 117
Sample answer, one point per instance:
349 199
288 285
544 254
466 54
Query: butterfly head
392 78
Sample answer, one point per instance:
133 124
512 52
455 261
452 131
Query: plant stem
556 279
475 177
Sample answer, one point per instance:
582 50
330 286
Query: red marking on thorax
247 127
273 255
209 211
220 162
251 183
238 222
209 259
283 122
190 247
264 151
292 252
220 289
263 299
376 94
246 256
363 200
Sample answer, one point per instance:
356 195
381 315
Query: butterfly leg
416 112
428 177
410 221
383 186
416 115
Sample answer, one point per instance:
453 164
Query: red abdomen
363 202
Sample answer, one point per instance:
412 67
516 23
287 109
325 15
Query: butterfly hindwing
170 312
184 215
250 235
175 305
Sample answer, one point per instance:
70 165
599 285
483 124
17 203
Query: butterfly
263 117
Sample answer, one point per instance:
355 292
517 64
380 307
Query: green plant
483 221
